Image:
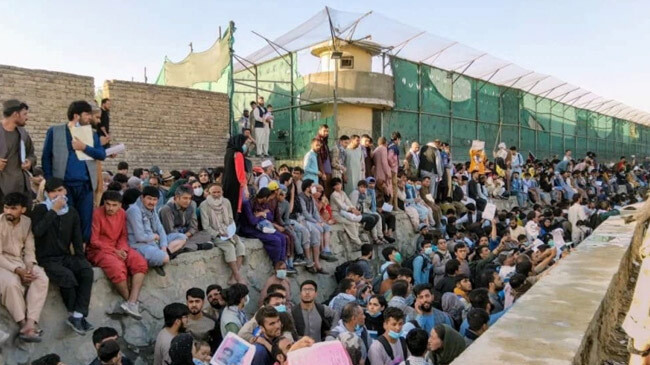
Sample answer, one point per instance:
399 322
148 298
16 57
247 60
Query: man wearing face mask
390 348
60 160
19 273
280 278
278 301
353 321
57 228
179 219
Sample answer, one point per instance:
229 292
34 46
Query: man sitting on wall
179 219
109 249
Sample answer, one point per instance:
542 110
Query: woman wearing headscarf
255 221
234 175
445 344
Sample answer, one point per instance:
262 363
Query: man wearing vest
16 150
262 129
60 160
390 348
310 318
352 321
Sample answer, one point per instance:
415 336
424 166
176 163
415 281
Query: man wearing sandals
18 270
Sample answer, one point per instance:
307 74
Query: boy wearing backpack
422 263
390 348
416 341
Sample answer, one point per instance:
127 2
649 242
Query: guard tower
346 89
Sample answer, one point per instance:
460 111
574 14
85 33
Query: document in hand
85 135
115 149
230 231
323 353
233 350
489 211
387 207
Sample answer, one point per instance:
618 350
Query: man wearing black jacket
56 226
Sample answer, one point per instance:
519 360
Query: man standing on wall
393 161
324 158
261 128
60 160
16 150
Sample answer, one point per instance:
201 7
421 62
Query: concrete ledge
198 269
550 323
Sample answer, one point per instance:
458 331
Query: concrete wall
48 95
174 128
574 310
171 127
197 269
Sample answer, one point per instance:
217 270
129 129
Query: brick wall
173 128
48 95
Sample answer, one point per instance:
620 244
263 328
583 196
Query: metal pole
336 92
419 102
451 114
231 29
291 111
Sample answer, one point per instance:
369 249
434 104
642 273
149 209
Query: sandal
310 269
31 336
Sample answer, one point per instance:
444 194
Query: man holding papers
70 153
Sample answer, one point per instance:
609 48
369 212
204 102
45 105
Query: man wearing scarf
216 218
56 228
324 159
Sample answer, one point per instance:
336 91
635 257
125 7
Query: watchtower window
347 62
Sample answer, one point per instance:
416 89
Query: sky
602 46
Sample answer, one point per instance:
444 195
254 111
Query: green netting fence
431 103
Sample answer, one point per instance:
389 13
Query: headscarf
180 350
231 187
453 345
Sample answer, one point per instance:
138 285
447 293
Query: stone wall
188 270
48 95
171 127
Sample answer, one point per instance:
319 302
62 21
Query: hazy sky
603 46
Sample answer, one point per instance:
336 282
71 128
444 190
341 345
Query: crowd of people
472 262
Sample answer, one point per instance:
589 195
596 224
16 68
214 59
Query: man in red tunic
109 250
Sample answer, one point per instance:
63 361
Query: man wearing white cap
265 178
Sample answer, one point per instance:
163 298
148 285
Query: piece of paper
558 238
489 211
387 208
114 150
85 135
478 145
323 353
23 153
230 231
430 198
233 350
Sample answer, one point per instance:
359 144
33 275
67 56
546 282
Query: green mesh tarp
272 80
435 104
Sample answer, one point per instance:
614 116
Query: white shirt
576 213
532 230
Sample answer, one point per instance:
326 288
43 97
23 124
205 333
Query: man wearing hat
16 150
264 179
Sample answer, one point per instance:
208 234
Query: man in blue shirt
60 160
268 319
428 316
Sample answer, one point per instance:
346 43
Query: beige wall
48 95
362 59
352 119
174 128
171 127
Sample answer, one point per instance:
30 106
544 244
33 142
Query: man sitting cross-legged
145 232
109 249
18 270
179 219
